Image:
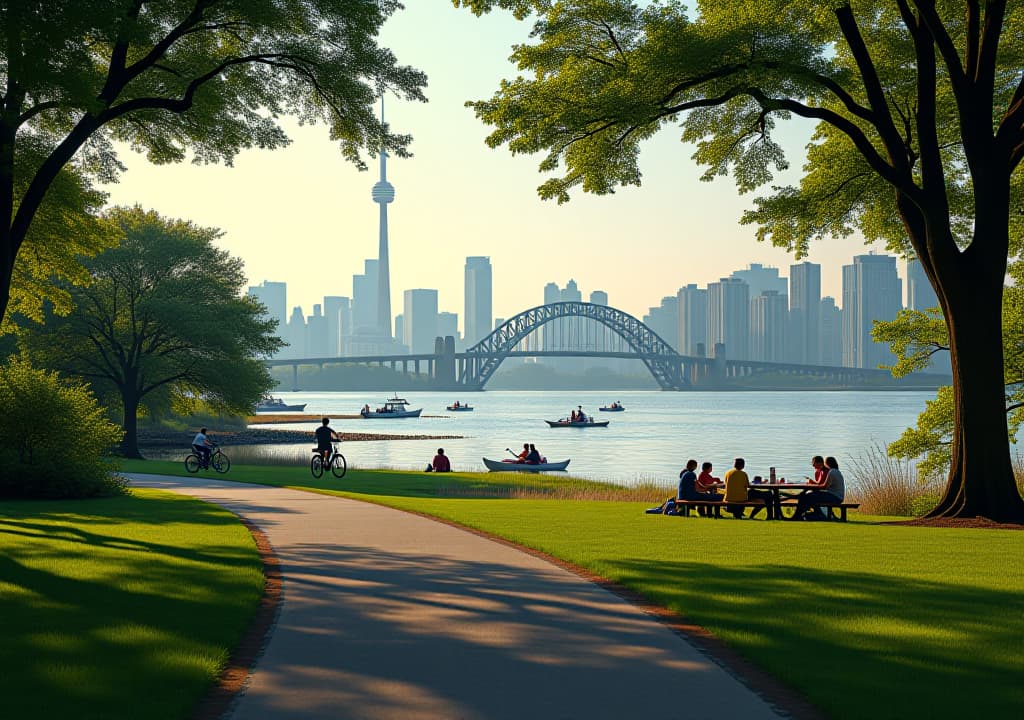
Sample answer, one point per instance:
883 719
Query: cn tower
383 193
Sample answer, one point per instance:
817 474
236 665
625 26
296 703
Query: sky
303 215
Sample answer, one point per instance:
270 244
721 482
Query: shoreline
170 439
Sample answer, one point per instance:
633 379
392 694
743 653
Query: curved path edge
241 663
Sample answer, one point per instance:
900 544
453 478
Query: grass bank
864 619
122 607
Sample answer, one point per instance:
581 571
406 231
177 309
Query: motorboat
395 407
459 407
273 404
514 466
614 407
588 423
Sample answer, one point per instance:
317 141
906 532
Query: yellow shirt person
736 484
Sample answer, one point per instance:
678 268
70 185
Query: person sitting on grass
440 462
833 491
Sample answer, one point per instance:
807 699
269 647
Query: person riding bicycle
324 436
201 444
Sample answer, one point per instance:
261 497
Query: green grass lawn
866 620
121 607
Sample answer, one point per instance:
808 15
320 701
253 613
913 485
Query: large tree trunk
130 424
981 481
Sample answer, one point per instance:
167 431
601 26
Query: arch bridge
477 364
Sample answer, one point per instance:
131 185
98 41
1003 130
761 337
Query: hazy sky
304 216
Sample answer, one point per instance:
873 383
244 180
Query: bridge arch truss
479 362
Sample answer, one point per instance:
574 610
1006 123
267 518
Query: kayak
571 423
460 408
611 409
513 466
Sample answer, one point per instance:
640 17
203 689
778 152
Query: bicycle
337 462
218 461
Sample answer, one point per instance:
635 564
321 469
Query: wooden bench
685 505
829 507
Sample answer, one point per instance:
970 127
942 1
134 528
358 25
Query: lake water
650 441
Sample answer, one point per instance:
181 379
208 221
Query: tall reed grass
885 485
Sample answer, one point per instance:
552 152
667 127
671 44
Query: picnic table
775 504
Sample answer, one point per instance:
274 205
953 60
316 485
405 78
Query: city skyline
281 210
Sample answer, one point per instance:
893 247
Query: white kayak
500 466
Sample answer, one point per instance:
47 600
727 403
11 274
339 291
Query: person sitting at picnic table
737 490
833 491
688 489
705 484
820 471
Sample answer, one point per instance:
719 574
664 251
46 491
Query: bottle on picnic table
771 474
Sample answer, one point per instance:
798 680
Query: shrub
53 437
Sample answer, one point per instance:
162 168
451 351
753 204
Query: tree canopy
162 315
172 79
919 112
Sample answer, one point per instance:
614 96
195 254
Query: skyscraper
663 319
383 193
871 291
550 330
831 333
420 320
448 324
760 278
478 299
920 293
729 317
693 321
273 296
336 314
316 334
805 313
295 335
768 320
364 299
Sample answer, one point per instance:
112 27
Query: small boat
460 407
614 407
589 422
513 466
273 404
395 407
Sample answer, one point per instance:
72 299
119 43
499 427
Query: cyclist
201 444
324 436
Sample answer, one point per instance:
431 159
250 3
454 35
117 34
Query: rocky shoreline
167 439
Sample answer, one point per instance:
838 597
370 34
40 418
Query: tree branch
882 117
947 49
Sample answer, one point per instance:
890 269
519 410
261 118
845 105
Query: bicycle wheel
316 466
192 464
220 462
338 465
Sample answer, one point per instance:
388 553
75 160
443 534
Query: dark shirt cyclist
324 436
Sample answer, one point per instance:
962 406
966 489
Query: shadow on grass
852 642
99 625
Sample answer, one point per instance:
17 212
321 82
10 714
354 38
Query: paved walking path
391 615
